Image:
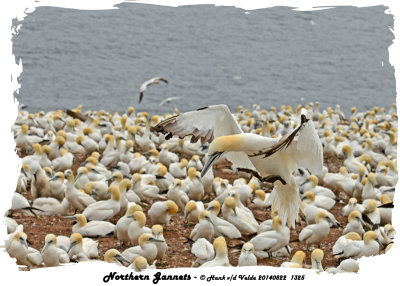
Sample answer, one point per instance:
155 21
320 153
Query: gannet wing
203 249
205 123
305 233
306 149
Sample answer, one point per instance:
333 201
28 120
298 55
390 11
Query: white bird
176 192
238 217
114 256
146 248
369 246
204 228
161 212
247 257
151 81
162 246
352 205
355 224
342 242
17 247
296 261
192 211
221 254
274 159
273 240
169 100
221 226
104 210
203 250
318 200
93 228
347 265
50 206
316 259
122 225
51 254
78 200
137 227
315 233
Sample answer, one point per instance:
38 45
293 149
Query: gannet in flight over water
144 85
270 159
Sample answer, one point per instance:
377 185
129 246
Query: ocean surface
208 54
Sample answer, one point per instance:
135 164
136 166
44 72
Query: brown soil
178 254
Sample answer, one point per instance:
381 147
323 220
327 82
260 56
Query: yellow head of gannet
192 173
69 175
189 207
205 215
298 257
140 263
372 178
157 230
140 217
117 176
347 151
115 193
50 239
220 246
92 160
21 237
309 196
314 180
247 248
114 256
276 223
321 216
172 207
385 199
316 258
124 185
355 215
343 170
370 206
136 178
260 194
184 163
162 170
230 203
214 206
370 236
75 239
81 220
133 208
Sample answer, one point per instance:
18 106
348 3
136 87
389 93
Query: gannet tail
285 199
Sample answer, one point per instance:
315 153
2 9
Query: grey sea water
208 54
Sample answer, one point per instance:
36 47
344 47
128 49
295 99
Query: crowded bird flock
204 188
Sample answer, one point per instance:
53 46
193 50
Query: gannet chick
318 201
273 240
296 261
123 223
355 224
93 228
178 170
192 211
221 254
221 226
316 259
104 210
203 250
238 217
146 248
51 254
137 227
204 228
78 200
261 199
177 193
17 247
352 205
161 212
247 257
162 246
315 233
114 256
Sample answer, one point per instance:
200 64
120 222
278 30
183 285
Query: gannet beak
234 211
23 172
208 219
70 246
361 220
122 259
199 179
305 182
23 241
46 246
54 178
213 158
94 193
155 240
77 177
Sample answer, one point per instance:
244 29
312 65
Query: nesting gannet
161 212
50 206
371 213
93 228
311 211
78 200
192 211
261 199
204 228
247 257
296 261
385 210
123 223
326 203
140 264
165 157
178 169
137 227
75 250
114 256
203 250
221 254
369 246
318 190
238 217
176 192
355 224
98 189
146 192
347 265
273 158
273 240
17 247
316 259
149 82
11 225
221 226
369 191
162 246
64 162
351 206
342 242
195 189
146 248
315 233
51 254
103 210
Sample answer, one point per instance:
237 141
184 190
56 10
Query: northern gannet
149 82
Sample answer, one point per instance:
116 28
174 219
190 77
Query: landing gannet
273 158
247 257
93 228
149 82
221 254
51 254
